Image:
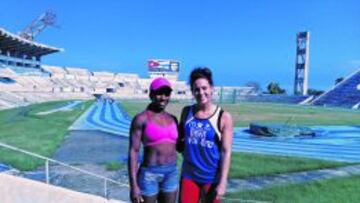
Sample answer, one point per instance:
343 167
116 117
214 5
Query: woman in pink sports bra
156 179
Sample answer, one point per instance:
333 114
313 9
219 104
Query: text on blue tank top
202 154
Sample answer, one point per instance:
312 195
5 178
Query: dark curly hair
200 72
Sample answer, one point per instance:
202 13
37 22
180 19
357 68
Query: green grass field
244 113
41 134
244 165
344 190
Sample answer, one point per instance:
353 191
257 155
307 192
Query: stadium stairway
345 94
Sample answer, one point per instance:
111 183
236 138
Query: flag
153 64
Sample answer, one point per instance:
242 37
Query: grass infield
325 191
244 113
41 134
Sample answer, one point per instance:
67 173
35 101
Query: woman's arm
134 148
227 136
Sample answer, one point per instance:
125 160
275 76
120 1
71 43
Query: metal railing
48 160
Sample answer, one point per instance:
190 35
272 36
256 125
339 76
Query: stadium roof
11 42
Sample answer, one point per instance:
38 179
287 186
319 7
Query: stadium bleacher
54 70
344 94
78 72
6 72
25 76
5 85
29 71
10 99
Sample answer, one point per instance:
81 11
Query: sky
240 40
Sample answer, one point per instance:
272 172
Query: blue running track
106 116
337 143
4 167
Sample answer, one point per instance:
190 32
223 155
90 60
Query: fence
236 95
106 182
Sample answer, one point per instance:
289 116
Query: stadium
68 127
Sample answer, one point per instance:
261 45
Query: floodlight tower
46 19
302 63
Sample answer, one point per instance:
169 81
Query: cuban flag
153 64
163 65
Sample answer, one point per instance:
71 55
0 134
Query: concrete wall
20 190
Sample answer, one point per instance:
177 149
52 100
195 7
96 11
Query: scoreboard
163 66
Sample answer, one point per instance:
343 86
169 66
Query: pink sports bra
156 134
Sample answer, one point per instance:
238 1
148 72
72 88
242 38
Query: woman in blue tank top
205 139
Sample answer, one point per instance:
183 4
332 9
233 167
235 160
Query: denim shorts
153 179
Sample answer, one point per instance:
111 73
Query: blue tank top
202 148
